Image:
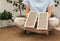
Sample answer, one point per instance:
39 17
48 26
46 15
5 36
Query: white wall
4 5
56 11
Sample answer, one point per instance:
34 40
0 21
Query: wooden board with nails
42 21
31 20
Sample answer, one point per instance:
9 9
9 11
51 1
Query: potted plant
5 16
10 1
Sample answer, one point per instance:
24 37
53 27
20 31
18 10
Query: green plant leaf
6 15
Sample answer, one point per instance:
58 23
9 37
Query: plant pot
10 23
4 23
0 23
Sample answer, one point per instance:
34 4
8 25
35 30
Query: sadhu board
31 19
42 21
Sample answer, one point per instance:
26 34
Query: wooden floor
16 34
